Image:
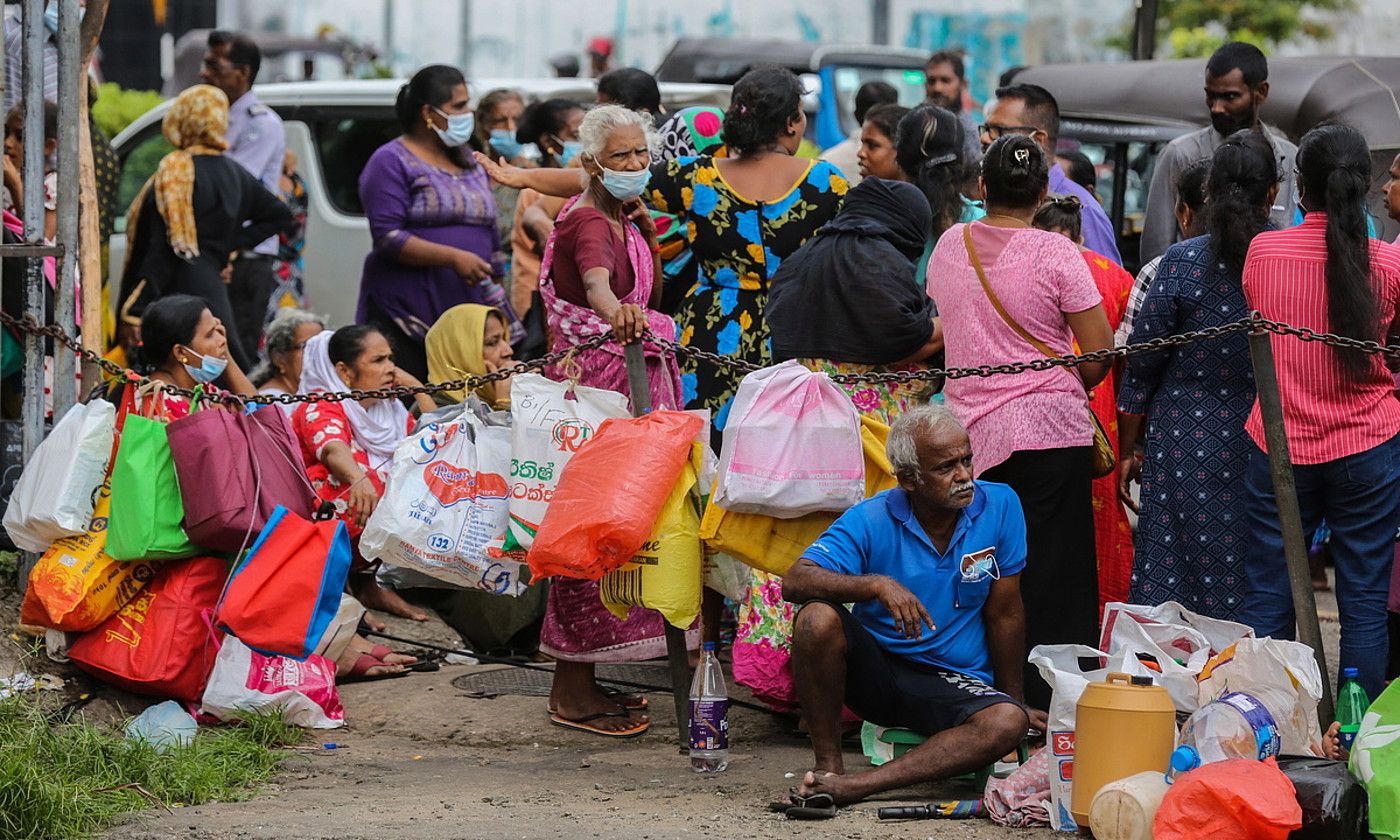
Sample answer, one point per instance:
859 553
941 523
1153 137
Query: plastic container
1123 726
709 715
1352 704
1124 810
1235 726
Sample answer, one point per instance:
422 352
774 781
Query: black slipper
816 806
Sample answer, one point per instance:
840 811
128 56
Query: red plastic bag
1240 799
611 494
162 644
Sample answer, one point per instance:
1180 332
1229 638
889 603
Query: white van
334 127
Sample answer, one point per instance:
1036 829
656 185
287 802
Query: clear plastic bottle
1236 725
1352 704
709 715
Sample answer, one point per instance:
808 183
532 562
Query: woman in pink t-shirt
1029 430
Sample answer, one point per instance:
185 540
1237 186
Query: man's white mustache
960 488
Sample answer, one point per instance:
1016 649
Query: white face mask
459 128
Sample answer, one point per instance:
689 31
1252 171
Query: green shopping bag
1375 761
146 509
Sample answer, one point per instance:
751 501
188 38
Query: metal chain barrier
470 383
740 367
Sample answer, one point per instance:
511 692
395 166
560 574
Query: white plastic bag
246 682
1282 675
55 493
1218 633
1173 653
549 422
727 576
1061 667
791 446
445 503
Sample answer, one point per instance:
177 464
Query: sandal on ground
815 806
582 724
359 672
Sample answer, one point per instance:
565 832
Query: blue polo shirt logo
980 565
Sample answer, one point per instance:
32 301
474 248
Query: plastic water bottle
1352 704
709 715
1236 725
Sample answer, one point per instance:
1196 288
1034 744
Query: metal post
676 656
66 300
880 21
32 171
1295 546
1145 30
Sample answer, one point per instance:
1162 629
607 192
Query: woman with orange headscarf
197 209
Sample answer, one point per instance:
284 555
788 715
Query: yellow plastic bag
665 575
773 545
76 586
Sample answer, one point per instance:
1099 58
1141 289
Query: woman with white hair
602 268
601 273
286 338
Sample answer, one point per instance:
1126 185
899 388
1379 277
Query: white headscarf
378 428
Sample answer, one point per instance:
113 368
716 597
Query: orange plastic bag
611 494
1240 799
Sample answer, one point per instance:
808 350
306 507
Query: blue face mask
459 128
51 16
625 186
504 142
572 149
210 368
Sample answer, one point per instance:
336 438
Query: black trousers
1060 585
249 292
410 354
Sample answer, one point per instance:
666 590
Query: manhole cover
531 683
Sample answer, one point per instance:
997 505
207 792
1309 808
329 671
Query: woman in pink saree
600 274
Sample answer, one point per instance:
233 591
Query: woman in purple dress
432 218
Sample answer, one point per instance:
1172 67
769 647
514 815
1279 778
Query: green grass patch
70 779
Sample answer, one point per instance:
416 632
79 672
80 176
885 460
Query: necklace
1019 222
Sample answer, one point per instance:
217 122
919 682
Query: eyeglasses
213 65
995 131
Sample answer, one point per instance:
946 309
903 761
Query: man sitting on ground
933 570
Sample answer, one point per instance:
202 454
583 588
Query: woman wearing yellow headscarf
197 209
470 340
473 340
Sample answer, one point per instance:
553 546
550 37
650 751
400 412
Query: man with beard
1237 84
935 641
945 82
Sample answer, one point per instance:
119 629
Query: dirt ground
420 758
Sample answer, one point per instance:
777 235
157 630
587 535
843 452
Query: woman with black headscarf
849 300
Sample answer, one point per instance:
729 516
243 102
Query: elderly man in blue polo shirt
935 641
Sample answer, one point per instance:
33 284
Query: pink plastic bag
247 682
791 446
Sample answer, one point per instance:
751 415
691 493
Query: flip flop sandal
816 806
617 697
359 672
581 725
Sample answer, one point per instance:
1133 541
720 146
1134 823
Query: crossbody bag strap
996 302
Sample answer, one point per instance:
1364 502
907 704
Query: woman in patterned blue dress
1191 533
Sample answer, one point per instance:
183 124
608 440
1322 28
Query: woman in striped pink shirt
1340 409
